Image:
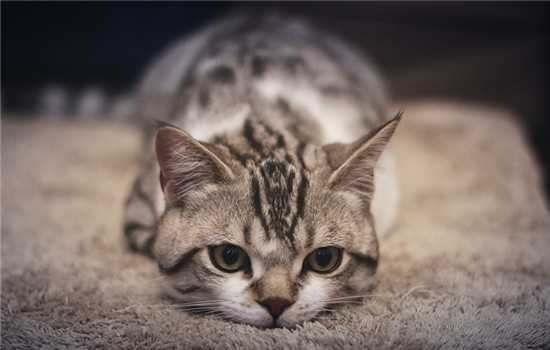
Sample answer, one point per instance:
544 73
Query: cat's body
270 100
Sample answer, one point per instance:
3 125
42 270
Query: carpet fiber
468 266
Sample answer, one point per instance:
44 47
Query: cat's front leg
143 208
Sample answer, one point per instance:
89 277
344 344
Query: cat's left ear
354 163
186 164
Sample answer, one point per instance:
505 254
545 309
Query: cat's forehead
277 213
294 211
278 191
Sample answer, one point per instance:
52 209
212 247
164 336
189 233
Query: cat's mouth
288 321
262 320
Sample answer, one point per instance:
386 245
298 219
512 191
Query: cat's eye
229 257
324 260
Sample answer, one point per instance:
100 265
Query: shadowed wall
479 52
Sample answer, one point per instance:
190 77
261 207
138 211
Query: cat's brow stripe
257 202
290 182
300 203
302 190
246 234
310 238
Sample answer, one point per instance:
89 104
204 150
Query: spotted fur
285 126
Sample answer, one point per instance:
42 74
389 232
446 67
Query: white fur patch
338 117
385 202
313 292
234 287
309 303
269 247
239 306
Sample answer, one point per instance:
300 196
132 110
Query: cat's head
262 229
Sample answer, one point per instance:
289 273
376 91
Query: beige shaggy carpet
468 267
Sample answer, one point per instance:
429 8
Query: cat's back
246 60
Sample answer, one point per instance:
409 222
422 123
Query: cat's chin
258 317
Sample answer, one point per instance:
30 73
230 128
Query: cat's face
271 241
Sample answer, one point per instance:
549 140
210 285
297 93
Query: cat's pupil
323 257
230 254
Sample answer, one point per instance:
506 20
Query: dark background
495 53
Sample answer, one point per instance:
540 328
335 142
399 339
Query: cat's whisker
345 302
214 313
198 308
324 308
201 302
137 305
190 307
357 297
411 291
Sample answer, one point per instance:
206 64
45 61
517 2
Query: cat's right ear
354 163
186 165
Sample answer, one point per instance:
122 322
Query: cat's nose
276 306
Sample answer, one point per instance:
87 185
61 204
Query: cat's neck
266 132
267 120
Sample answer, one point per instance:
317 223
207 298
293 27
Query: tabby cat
264 210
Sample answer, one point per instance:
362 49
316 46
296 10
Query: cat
258 199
